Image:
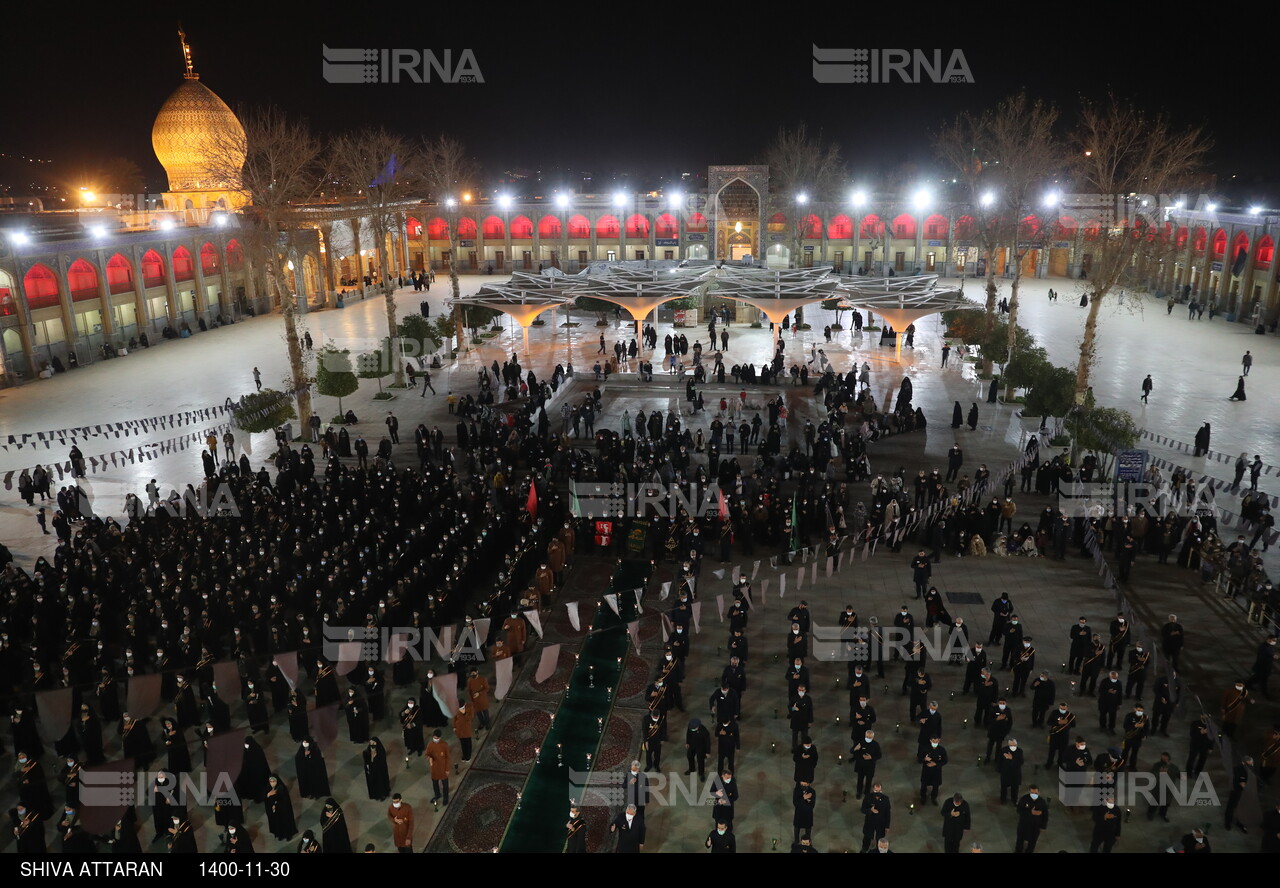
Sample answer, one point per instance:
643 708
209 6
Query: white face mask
1002 707
934 745
799 693
1013 747
1111 805
395 804
1035 795
1026 644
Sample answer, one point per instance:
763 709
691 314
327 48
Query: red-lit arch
119 275
549 227
1064 228
696 222
966 228
872 226
811 227
840 227
1219 243
82 281
666 226
235 256
466 228
152 269
183 266
579 227
1029 228
521 228
493 228
1200 241
41 286
1240 242
209 259
437 229
1265 253
936 226
637 226
412 228
904 226
607 226
1180 239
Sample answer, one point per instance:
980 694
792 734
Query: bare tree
379 169
961 145
277 161
800 165
1135 164
447 172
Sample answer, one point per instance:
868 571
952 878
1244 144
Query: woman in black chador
957 416
175 743
973 416
280 810
333 826
357 716
1239 393
313 774
375 771
252 782
297 715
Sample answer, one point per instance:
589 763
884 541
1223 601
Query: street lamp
620 200
920 200
562 201
987 199
676 200
1051 199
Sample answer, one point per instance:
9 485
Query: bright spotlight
802 198
450 203
98 230
1255 210
988 199
859 198
20 238
1051 199
920 199
562 201
505 202
676 199
167 225
619 199
1212 208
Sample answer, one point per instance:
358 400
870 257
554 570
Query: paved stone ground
203 371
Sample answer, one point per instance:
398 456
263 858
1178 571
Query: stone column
24 319
1246 275
69 332
201 301
1225 302
104 298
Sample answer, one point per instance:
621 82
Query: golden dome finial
186 56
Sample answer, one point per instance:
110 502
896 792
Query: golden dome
192 125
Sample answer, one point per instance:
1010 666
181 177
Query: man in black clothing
1033 816
877 816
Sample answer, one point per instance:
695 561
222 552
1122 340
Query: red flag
532 506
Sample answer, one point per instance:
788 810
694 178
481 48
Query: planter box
384 396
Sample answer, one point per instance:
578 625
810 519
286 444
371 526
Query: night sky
634 99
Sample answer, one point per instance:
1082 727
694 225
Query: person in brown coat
544 581
463 730
569 537
555 559
400 813
438 755
516 632
478 694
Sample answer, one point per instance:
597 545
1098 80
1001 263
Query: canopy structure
903 301
524 297
641 290
777 292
